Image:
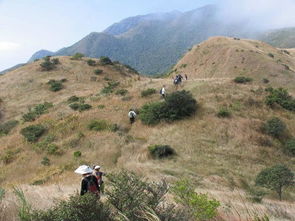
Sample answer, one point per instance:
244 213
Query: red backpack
91 185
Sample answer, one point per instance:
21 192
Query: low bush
55 85
110 88
121 92
55 61
105 60
265 80
73 99
223 113
33 132
101 106
148 92
98 125
53 149
9 155
289 146
161 151
76 208
47 65
75 106
77 56
176 106
242 80
91 62
274 127
98 71
80 106
45 161
271 55
6 127
281 97
37 111
77 154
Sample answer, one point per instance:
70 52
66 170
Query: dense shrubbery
281 97
289 146
176 106
80 106
73 99
110 88
148 92
274 127
77 56
121 92
48 65
129 197
33 132
6 127
37 111
161 151
275 178
55 85
98 71
91 62
105 60
242 80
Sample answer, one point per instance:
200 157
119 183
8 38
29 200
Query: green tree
275 178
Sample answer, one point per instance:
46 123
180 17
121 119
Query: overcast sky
27 26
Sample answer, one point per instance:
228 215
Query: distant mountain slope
153 43
12 68
282 38
40 54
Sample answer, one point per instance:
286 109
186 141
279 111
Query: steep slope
220 155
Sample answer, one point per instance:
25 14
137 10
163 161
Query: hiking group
91 180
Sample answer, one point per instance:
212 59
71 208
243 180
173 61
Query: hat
84 169
97 167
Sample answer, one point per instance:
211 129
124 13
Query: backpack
161 91
131 114
91 185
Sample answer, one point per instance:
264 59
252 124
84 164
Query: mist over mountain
153 43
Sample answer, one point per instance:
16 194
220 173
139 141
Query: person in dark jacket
89 182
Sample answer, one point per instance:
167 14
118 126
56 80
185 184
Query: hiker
132 116
163 91
98 174
89 182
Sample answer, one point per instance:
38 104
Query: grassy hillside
282 38
222 156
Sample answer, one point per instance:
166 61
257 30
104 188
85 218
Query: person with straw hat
89 182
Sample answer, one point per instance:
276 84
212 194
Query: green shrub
105 60
6 127
281 97
223 113
110 88
199 205
274 127
242 80
98 71
91 62
53 149
77 56
101 106
55 85
265 81
45 161
98 125
289 146
161 151
47 65
77 154
151 113
33 132
73 99
80 106
55 61
9 155
256 195
37 111
275 178
271 55
148 92
76 208
121 92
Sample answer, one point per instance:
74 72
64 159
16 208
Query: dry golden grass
215 153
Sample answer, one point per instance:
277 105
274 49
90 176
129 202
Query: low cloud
8 46
262 14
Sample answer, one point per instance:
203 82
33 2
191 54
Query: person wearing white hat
89 182
98 174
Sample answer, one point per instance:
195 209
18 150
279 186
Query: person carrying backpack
98 174
89 182
132 116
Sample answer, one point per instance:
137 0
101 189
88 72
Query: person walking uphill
98 174
89 182
163 91
132 116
